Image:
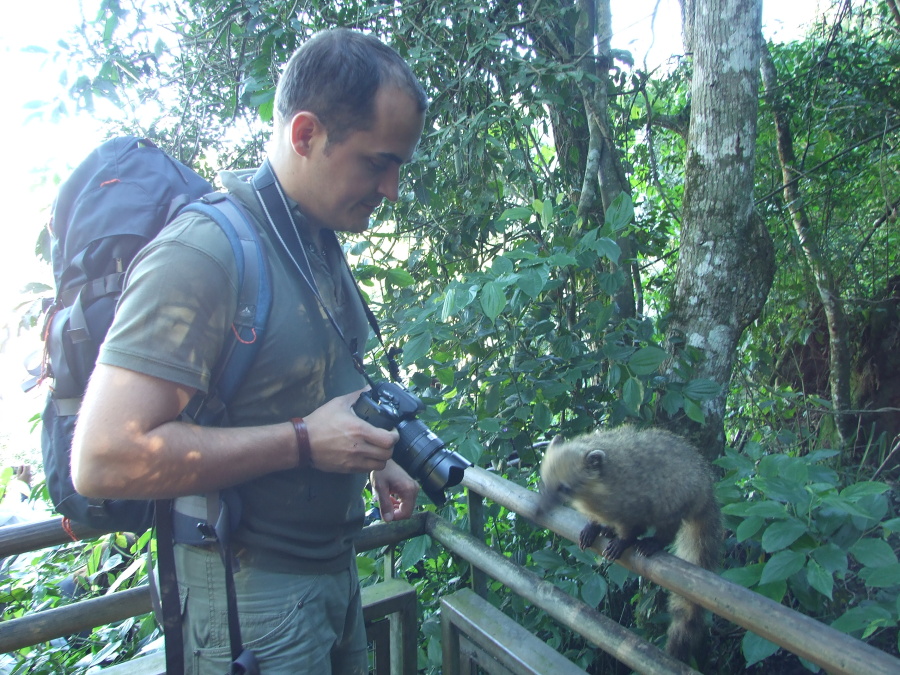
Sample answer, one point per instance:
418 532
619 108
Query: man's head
336 74
349 112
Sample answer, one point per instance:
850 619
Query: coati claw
589 533
647 547
615 548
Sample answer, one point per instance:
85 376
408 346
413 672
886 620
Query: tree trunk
725 265
604 166
839 345
587 44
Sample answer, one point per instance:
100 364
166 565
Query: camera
419 451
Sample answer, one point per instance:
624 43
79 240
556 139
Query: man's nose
390 183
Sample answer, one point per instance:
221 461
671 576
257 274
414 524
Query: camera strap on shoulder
278 212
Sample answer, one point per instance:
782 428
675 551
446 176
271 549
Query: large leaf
620 213
756 648
533 280
819 579
400 277
702 390
782 565
633 394
493 299
874 552
782 534
647 360
416 347
594 590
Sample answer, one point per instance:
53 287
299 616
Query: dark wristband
304 451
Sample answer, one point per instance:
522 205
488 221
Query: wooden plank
386 597
397 599
151 664
504 640
74 618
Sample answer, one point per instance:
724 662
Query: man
349 113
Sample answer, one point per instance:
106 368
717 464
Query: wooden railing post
476 527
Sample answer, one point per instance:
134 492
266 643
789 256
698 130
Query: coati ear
557 440
594 460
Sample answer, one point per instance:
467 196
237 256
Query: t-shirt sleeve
178 304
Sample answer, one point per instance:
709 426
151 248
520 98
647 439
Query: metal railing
795 632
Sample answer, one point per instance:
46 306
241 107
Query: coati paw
589 533
647 547
615 548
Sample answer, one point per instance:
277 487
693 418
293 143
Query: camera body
419 451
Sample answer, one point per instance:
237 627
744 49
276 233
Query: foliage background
503 289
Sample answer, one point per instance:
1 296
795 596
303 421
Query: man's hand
396 492
341 442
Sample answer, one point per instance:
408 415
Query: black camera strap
278 212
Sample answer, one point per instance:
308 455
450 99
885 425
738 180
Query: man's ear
305 129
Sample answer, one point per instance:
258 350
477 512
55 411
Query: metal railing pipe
834 651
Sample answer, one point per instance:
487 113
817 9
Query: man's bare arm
129 444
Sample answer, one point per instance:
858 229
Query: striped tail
699 541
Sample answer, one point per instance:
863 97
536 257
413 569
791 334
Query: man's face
347 181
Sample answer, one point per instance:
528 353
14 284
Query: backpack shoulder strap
211 409
254 304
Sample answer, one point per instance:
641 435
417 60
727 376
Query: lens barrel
424 457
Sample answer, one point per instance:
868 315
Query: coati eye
565 489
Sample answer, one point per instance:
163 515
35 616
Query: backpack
114 203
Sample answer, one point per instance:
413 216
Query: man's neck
284 170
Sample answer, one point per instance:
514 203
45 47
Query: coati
628 481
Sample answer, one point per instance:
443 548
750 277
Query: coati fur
628 481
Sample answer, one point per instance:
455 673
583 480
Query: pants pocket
273 626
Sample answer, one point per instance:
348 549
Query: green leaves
647 360
633 394
620 213
781 566
413 551
818 540
516 213
819 579
493 299
781 534
756 648
594 589
416 348
873 552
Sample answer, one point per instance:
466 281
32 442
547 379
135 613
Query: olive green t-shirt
178 305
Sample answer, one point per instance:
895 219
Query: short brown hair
336 74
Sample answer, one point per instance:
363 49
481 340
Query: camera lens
421 453
416 445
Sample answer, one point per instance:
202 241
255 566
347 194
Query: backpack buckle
207 531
